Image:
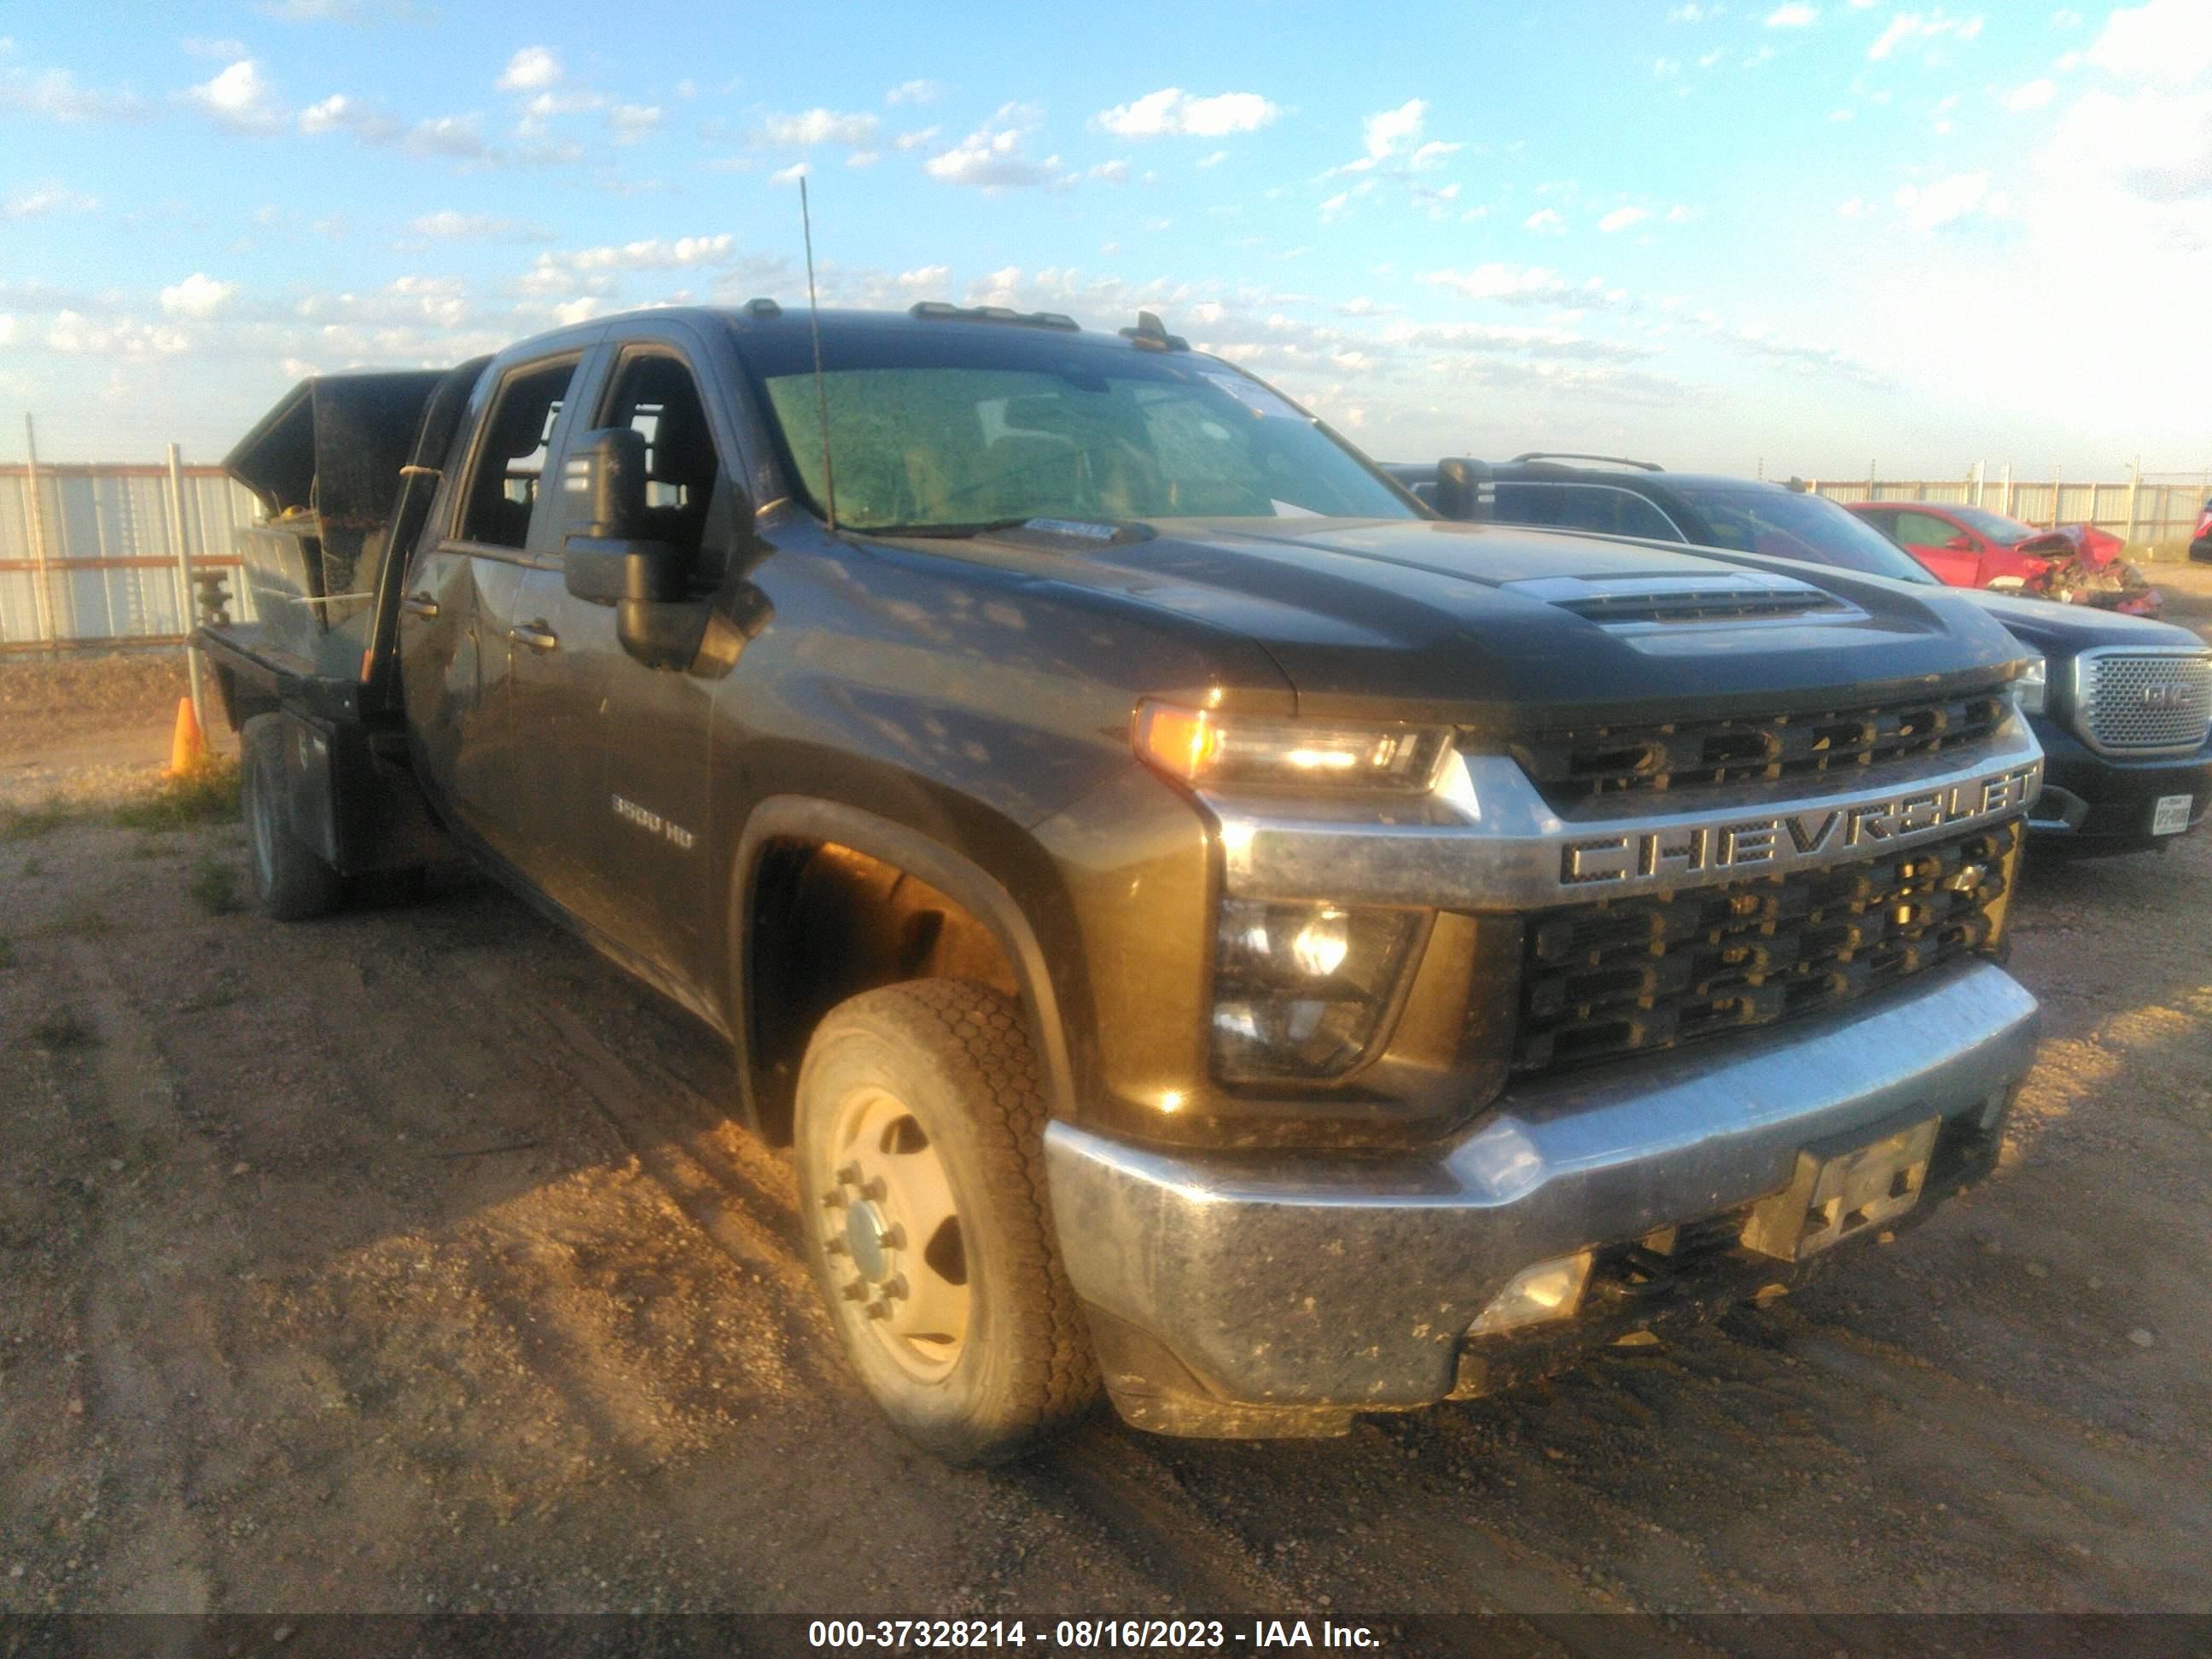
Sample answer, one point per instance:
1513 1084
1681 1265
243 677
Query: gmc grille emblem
2165 699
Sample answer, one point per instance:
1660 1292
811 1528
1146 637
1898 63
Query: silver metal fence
89 553
2141 510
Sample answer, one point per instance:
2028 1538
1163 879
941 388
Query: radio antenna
820 389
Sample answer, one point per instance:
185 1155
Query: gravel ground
405 1261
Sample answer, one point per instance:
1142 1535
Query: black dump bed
344 467
324 464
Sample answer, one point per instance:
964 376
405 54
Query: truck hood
2062 631
1486 625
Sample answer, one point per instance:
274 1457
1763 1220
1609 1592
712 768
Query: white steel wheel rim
891 1234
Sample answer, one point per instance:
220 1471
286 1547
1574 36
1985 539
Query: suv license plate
2171 816
1835 1195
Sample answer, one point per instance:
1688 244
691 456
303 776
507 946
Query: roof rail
944 311
1577 455
1149 334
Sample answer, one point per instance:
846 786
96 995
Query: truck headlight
2032 686
1205 747
1301 989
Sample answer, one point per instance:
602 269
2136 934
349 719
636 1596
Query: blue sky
1796 235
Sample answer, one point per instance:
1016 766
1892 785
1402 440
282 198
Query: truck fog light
1300 990
1322 943
1550 1290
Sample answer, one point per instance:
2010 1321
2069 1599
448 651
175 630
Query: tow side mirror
605 478
1464 490
610 560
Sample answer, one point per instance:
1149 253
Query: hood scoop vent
1637 603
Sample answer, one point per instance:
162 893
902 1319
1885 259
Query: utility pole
41 591
184 578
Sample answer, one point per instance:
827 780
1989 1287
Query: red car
1973 547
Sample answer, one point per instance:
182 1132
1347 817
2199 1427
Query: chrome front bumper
1269 1295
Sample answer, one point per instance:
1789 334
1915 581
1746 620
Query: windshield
964 425
1998 528
1808 527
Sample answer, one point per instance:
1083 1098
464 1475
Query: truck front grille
1631 975
2143 700
1573 764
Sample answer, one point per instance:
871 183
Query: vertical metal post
184 578
2056 475
2007 509
41 589
2134 484
1981 476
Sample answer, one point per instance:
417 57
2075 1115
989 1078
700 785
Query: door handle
537 635
420 604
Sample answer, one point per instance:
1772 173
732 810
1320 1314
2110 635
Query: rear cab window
503 489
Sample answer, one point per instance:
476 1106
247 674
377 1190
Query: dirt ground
406 1261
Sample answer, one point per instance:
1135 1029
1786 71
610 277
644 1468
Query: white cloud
924 279
447 226
54 95
1214 160
199 46
2166 40
1389 130
1945 202
199 295
6 329
1431 154
915 140
2034 95
2065 18
1793 16
1622 218
2155 145
41 200
458 135
863 158
1546 221
1855 207
533 68
1115 172
1694 12
1171 111
1681 214
1508 284
818 126
790 175
240 98
1907 27
990 159
72 333
631 122
914 92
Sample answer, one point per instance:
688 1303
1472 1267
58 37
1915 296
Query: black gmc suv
2122 705
1207 926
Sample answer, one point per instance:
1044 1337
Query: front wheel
290 882
920 1152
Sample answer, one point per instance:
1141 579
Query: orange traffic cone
188 750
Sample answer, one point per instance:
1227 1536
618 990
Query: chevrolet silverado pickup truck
1209 928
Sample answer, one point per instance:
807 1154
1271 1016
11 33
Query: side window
503 490
687 491
1921 531
1613 512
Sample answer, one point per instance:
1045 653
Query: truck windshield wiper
947 532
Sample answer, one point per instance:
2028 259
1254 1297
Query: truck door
617 751
501 529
